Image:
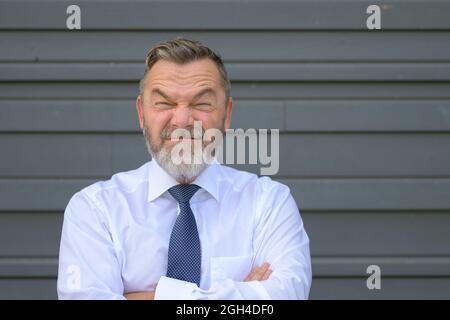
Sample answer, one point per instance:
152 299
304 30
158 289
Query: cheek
157 120
211 120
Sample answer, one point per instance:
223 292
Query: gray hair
181 50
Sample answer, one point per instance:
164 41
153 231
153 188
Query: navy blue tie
185 254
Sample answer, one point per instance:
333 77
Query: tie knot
183 192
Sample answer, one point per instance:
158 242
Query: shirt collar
159 181
208 180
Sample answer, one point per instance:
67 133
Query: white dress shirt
116 235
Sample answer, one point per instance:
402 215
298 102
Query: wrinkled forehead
186 78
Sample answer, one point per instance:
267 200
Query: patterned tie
185 254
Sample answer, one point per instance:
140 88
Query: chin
183 173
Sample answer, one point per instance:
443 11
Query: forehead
189 76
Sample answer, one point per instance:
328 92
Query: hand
149 295
260 273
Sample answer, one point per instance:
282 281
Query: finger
259 272
139 296
251 274
247 278
266 274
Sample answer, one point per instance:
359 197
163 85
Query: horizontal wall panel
410 266
341 90
311 194
365 155
368 115
237 71
28 289
285 46
70 155
68 115
370 194
378 234
233 15
42 195
331 234
391 288
291 115
322 288
30 267
301 155
251 90
75 155
32 235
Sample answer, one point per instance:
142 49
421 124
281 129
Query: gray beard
183 173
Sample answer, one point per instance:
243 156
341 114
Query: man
172 230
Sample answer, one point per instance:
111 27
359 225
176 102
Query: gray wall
364 119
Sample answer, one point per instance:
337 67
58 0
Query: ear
140 111
229 111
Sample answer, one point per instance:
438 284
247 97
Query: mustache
166 133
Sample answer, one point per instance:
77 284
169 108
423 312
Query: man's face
176 95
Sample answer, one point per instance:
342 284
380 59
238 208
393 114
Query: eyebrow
202 92
158 91
198 95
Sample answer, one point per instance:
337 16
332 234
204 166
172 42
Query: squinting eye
202 105
163 104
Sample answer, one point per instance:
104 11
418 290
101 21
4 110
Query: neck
185 180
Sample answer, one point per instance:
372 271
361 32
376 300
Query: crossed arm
260 273
279 239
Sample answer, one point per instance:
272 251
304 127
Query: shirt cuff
253 290
174 289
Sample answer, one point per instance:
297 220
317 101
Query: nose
182 117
